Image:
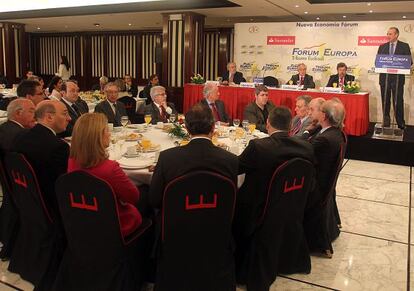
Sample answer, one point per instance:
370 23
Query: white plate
126 155
135 163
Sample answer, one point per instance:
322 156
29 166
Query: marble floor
374 249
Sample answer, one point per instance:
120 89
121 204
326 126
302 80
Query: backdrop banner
275 49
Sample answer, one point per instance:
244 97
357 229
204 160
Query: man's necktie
392 48
301 81
341 82
215 112
76 109
296 129
231 76
163 114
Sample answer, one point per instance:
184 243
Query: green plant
197 79
178 131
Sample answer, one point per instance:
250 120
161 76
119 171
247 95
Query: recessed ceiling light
371 11
404 16
129 24
251 19
369 3
38 28
343 16
97 24
317 18
306 12
297 6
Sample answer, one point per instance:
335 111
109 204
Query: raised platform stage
366 148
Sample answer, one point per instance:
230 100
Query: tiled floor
373 249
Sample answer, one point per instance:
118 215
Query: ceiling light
38 28
97 24
317 18
129 24
306 12
343 16
369 3
371 11
404 17
297 6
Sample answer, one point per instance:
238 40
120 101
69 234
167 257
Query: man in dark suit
231 76
130 87
342 78
211 100
159 108
320 224
315 106
259 160
199 153
302 119
20 117
112 108
32 90
75 107
394 84
258 111
302 79
46 153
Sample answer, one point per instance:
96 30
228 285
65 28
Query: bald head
53 114
22 111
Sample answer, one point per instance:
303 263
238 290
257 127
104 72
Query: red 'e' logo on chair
83 205
200 205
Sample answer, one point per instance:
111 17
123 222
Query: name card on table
258 80
247 85
331 89
213 82
291 87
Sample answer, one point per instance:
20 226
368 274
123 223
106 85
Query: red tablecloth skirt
236 99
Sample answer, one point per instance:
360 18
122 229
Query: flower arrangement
197 79
178 131
92 96
352 87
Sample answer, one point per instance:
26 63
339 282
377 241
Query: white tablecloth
3 116
143 176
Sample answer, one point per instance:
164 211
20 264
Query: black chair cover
278 244
270 81
196 249
9 217
97 256
38 248
130 107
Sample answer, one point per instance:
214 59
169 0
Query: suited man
20 118
315 107
159 108
341 78
32 90
211 99
395 84
302 78
47 154
302 119
258 111
130 87
231 76
320 222
70 98
112 108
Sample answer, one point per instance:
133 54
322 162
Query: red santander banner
281 40
372 40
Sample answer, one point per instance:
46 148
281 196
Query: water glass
245 125
236 122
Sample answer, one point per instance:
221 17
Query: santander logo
371 40
281 40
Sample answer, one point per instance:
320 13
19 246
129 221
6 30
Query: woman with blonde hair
90 139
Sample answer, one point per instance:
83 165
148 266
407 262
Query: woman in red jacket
90 139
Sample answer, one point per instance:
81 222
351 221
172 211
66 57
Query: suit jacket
326 146
48 155
83 106
199 154
220 109
110 171
73 115
307 81
237 78
8 133
254 114
303 126
259 160
155 112
105 108
133 90
401 48
335 79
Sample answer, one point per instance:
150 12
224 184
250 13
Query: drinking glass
252 127
172 118
236 122
334 85
147 118
245 124
124 122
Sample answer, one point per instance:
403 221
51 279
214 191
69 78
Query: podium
391 65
